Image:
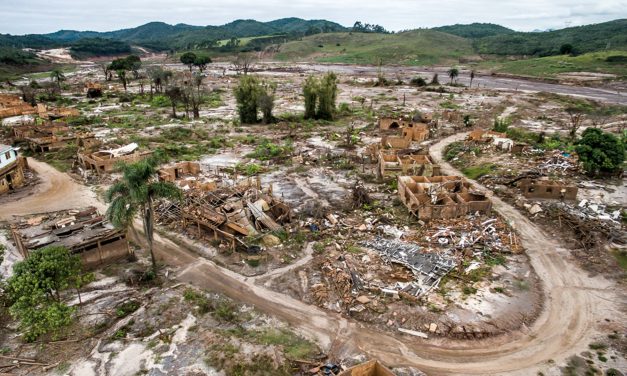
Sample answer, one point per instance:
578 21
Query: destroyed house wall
547 189
103 162
440 197
84 233
482 135
229 213
11 177
371 368
22 132
13 105
173 172
416 132
393 163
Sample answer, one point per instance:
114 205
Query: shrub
600 151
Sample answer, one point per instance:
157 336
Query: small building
481 135
187 175
49 143
22 132
84 232
371 368
93 90
13 105
441 197
395 162
105 161
55 113
412 130
547 189
11 169
416 131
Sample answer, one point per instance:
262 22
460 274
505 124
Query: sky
44 16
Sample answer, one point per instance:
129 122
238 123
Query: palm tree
472 77
135 193
57 76
453 73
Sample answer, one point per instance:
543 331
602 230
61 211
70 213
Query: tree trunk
173 109
148 230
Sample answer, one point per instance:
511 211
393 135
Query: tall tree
320 96
453 73
246 95
135 193
310 92
35 289
201 62
57 76
188 58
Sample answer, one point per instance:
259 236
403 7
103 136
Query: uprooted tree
252 95
600 152
320 96
34 291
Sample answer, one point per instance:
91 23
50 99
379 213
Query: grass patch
621 258
475 172
552 66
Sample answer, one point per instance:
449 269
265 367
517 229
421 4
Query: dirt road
481 80
56 191
574 303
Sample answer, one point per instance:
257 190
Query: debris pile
591 223
558 162
240 213
428 268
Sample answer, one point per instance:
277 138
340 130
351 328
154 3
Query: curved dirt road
574 303
55 191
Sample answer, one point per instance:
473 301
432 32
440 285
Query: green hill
474 30
415 47
590 38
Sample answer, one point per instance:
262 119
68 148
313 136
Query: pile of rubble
592 224
428 268
558 163
240 214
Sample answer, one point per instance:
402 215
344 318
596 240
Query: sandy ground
575 304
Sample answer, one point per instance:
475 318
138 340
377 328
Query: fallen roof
68 228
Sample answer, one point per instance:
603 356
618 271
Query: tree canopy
35 289
600 152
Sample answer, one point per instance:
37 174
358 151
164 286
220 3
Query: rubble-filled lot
354 247
587 214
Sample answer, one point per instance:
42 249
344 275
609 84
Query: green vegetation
600 152
584 39
89 47
267 150
475 172
135 193
418 47
320 96
34 291
551 66
474 30
621 258
253 95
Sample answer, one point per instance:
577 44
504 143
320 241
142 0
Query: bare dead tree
244 63
576 119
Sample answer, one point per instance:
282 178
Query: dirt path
56 191
574 303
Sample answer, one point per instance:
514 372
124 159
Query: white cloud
39 16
